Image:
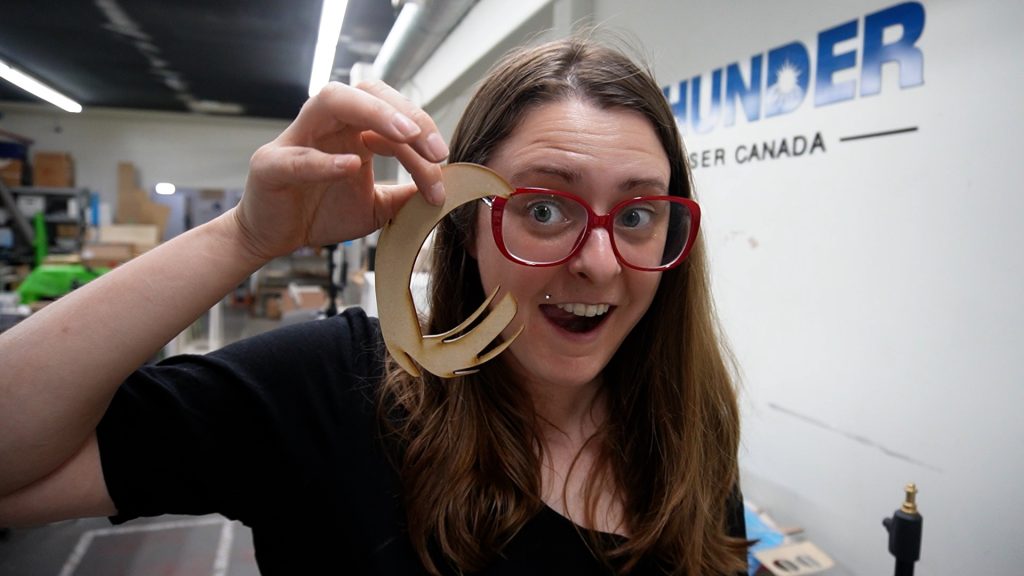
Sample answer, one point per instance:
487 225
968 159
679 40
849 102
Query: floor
165 546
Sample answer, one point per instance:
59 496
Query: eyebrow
569 176
573 176
635 183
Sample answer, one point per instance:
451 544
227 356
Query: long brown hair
469 449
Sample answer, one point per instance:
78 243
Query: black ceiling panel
160 54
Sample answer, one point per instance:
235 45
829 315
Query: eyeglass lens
543 228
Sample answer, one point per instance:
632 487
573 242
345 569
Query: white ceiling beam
482 35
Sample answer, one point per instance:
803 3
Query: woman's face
602 156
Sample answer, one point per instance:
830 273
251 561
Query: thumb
389 200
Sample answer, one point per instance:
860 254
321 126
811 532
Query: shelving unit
60 207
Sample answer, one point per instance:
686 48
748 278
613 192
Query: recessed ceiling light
165 188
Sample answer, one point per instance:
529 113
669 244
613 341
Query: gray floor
165 546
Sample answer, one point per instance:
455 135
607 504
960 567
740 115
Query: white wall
871 291
868 289
190 151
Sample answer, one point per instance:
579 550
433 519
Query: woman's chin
556 374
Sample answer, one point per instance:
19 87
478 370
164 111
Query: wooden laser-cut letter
456 351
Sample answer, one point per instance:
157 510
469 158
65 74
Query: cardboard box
157 215
304 298
63 259
130 198
67 231
140 236
11 171
133 203
53 170
107 254
272 307
127 178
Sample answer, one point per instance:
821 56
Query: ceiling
239 57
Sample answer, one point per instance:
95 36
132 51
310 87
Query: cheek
489 259
496 270
645 286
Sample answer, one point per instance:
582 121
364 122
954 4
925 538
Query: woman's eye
545 212
635 217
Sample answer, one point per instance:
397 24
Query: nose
596 259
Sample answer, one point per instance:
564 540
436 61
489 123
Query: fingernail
437 194
404 125
437 146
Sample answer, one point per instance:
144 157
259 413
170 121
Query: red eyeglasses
541 227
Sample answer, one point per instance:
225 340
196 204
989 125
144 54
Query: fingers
421 154
427 175
382 120
281 166
373 106
429 144
338 106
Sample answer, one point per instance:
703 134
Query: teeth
588 310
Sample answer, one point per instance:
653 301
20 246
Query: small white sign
794 559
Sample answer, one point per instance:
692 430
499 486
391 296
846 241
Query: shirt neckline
565 520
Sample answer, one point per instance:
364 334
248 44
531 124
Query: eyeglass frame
594 220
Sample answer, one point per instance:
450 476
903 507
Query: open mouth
576 317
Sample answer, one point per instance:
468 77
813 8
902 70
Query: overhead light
37 88
331 16
401 27
214 107
165 188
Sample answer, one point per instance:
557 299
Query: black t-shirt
280 432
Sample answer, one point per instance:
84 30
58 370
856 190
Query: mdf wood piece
457 351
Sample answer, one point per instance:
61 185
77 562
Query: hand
313 185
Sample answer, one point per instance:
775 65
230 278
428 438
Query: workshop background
856 162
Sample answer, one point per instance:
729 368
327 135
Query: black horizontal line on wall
877 134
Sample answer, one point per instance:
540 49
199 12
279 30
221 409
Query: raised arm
313 185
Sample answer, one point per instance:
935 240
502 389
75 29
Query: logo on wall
785 80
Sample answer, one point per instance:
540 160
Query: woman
603 440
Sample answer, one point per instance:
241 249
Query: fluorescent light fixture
331 16
401 27
37 88
214 107
165 188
